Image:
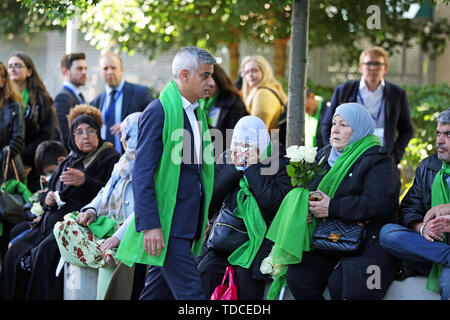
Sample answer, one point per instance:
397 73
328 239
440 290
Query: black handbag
11 205
334 235
228 232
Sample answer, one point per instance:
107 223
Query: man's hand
428 232
86 218
153 241
437 211
441 224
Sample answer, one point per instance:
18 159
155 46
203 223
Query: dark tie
110 116
82 99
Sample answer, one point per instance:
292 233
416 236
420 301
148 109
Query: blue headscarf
359 119
123 169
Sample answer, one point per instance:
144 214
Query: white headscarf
251 130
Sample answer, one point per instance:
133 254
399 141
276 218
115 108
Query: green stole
26 99
289 230
439 195
311 123
248 210
206 104
131 249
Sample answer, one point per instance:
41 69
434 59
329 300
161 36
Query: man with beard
74 69
421 240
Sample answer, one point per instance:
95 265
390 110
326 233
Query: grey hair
189 58
444 117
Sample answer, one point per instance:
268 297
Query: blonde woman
262 93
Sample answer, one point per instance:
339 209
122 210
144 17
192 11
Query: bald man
120 98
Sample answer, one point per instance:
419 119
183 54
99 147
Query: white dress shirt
190 108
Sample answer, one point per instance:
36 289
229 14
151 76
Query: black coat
268 190
417 201
231 110
12 132
40 242
396 114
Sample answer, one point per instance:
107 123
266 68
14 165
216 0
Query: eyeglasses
373 64
15 66
80 132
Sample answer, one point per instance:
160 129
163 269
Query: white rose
295 153
310 154
37 209
265 268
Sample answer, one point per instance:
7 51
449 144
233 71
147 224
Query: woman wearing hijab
39 112
361 185
114 201
29 266
244 185
262 93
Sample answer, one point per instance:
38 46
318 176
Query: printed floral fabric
78 245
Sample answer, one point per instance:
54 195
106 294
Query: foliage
425 105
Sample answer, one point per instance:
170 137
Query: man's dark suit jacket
396 115
186 219
64 101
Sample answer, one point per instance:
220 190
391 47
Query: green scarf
439 195
289 230
206 104
104 227
26 99
131 249
311 123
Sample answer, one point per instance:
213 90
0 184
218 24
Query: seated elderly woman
361 185
29 267
251 187
114 201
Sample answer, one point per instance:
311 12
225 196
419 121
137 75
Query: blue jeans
407 244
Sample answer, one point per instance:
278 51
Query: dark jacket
359 197
232 109
396 114
417 201
40 242
186 220
41 130
64 101
12 131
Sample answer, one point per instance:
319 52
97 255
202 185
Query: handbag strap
7 164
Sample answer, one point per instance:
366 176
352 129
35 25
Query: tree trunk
297 74
233 50
279 58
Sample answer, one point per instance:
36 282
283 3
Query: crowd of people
163 195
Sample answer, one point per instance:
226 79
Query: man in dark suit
386 101
173 272
120 98
74 69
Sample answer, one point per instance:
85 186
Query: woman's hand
50 199
73 177
86 218
252 156
320 208
109 244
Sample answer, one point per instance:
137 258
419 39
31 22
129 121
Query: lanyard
112 105
379 108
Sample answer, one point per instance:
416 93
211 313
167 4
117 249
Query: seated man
421 240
